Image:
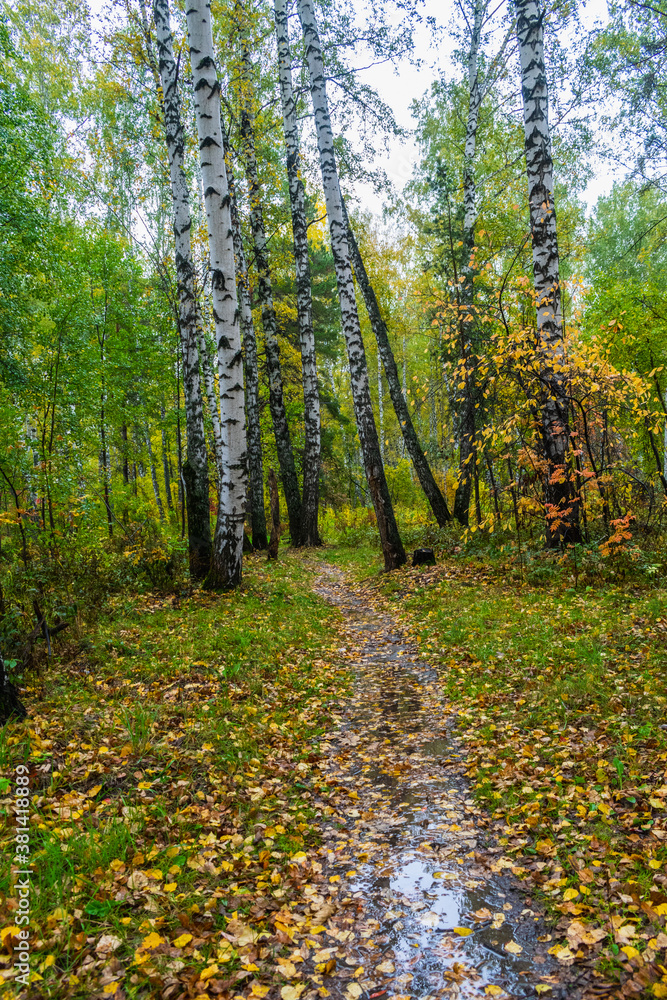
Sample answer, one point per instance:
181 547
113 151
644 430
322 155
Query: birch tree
398 397
304 300
561 507
253 426
226 564
265 295
467 410
195 468
392 547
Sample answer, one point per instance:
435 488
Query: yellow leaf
659 990
152 941
334 878
143 785
542 988
292 992
654 864
259 991
170 886
181 941
92 793
494 991
630 951
462 931
208 973
661 908
111 988
513 948
570 894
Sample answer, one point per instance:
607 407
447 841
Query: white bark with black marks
227 561
466 397
304 300
562 512
281 429
195 468
392 547
253 426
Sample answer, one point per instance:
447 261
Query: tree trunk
304 301
151 462
227 560
195 468
412 443
467 397
211 397
274 501
562 515
165 462
254 429
392 547
126 466
265 295
105 465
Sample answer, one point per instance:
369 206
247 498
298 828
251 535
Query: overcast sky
400 88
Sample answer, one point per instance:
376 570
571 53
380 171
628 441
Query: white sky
400 89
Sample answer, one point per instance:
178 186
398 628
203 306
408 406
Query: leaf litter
276 841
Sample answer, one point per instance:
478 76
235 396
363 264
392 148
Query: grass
560 698
168 747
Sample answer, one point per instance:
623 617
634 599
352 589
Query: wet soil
430 908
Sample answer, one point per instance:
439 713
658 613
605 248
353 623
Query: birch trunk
410 439
467 396
194 470
211 397
562 515
304 301
254 430
265 295
392 547
227 559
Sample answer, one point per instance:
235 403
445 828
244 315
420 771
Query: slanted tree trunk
227 560
194 470
562 514
304 300
412 442
265 295
254 429
392 547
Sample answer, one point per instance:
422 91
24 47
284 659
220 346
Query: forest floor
439 782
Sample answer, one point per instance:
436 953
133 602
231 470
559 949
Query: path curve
422 908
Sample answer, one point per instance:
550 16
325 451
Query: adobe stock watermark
22 870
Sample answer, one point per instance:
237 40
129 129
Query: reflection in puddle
433 920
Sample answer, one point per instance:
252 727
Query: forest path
423 908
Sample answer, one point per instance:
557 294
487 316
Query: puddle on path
427 915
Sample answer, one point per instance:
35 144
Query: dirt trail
423 909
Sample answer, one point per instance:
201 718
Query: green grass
174 721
